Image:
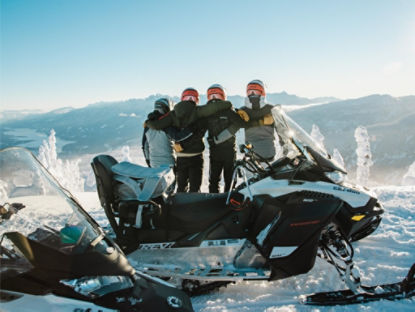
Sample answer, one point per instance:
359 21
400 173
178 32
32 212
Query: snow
383 257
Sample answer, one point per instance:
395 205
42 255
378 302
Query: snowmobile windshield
296 141
35 205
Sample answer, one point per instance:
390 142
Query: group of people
173 134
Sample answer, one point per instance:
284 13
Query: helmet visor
190 95
216 93
255 89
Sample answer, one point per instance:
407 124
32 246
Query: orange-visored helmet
190 94
216 91
255 87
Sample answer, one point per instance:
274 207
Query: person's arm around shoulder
212 108
164 121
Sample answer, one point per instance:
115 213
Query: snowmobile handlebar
252 160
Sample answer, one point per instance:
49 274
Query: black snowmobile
270 226
54 256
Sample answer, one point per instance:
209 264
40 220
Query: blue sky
73 53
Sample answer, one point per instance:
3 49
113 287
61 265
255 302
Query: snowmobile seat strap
138 172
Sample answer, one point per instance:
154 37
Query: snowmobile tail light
335 176
358 217
95 287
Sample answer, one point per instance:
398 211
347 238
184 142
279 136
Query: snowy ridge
383 257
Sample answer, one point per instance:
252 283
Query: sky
57 53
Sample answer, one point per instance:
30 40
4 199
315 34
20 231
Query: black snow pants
222 158
189 172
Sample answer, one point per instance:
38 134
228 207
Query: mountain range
105 126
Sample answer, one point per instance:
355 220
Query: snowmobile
269 226
54 256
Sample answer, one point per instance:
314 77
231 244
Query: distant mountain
390 124
282 98
104 126
17 114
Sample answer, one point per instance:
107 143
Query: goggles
254 89
216 93
190 98
190 95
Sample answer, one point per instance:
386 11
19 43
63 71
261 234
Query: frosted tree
409 177
3 192
338 158
47 151
125 153
317 136
364 155
66 172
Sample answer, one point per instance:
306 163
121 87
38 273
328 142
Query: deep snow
383 257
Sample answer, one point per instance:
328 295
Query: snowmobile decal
282 251
156 245
305 223
344 189
264 233
223 242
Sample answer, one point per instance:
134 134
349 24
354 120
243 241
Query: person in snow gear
157 146
221 141
189 151
260 133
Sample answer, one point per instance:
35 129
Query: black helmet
163 105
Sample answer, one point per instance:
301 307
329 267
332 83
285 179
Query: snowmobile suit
157 145
189 173
261 137
188 114
223 154
190 159
158 148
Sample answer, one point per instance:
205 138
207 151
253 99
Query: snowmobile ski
394 291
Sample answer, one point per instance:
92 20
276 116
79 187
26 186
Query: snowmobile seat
142 183
101 165
193 212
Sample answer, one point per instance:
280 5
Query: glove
268 120
177 147
222 137
244 115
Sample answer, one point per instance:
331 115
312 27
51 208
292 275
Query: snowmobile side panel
276 188
300 223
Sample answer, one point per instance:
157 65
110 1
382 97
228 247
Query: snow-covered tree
66 172
125 153
364 155
409 177
337 157
317 136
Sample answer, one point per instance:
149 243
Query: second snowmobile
55 257
270 226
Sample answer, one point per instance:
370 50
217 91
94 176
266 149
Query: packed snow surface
383 257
